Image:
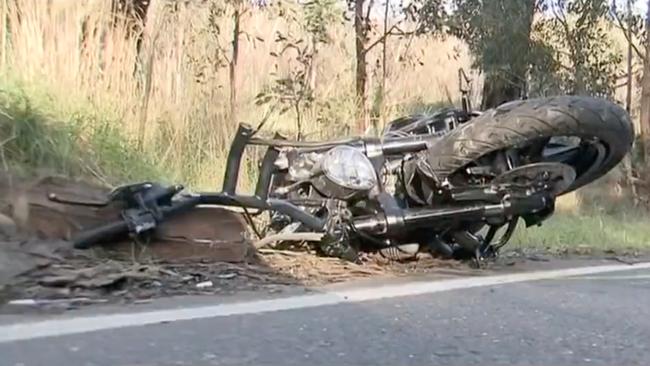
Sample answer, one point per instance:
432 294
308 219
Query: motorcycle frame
393 220
244 137
147 204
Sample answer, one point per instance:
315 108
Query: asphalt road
595 319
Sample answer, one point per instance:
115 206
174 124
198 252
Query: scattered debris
204 284
23 302
538 258
45 302
7 226
623 260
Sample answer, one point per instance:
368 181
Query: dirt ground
81 280
70 278
40 268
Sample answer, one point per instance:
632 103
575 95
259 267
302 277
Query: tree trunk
628 163
384 60
135 13
644 128
628 91
361 65
4 33
497 90
501 86
313 67
234 58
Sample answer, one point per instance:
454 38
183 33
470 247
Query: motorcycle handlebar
87 238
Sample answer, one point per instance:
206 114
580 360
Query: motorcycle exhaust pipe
383 224
424 217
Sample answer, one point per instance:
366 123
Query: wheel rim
586 157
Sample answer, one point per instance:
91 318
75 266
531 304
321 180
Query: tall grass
77 98
83 142
174 106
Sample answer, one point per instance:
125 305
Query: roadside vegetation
129 90
625 233
40 137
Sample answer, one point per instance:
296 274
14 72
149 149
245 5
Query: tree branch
370 5
622 27
560 16
584 13
386 35
222 52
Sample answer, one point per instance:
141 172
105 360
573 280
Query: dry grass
169 120
179 116
174 109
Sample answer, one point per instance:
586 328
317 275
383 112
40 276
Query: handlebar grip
87 238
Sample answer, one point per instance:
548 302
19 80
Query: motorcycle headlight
349 168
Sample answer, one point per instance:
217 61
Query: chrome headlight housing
349 168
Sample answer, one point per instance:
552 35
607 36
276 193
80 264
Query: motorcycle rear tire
517 123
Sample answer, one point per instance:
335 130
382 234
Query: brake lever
54 198
133 195
121 193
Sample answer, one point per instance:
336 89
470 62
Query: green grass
39 134
562 232
42 131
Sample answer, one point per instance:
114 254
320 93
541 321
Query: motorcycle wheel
591 135
600 131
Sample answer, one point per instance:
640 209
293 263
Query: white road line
614 278
69 326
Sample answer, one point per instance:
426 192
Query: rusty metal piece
205 233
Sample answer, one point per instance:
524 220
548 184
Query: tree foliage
497 32
578 35
292 90
530 47
317 15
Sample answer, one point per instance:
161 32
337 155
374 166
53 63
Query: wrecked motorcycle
455 182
